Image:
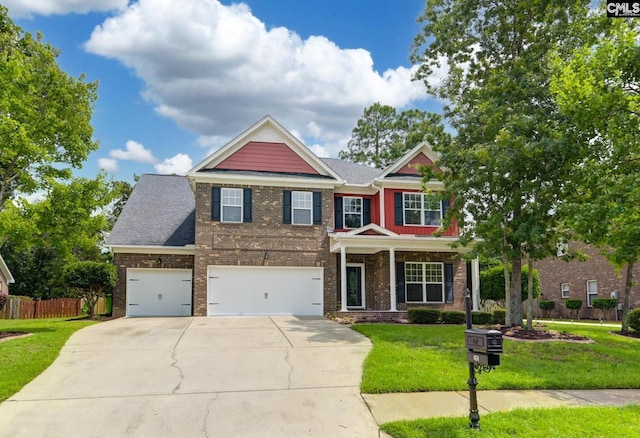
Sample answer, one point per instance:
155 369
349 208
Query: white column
392 279
343 279
475 283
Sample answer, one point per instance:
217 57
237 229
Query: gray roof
352 173
159 212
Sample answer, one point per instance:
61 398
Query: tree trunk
515 292
627 297
507 286
530 296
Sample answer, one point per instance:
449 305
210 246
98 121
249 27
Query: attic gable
411 168
266 147
408 164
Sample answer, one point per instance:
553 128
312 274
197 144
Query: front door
355 286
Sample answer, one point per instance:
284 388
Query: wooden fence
16 308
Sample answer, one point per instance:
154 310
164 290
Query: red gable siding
410 168
267 157
389 217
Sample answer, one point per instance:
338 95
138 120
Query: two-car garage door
260 290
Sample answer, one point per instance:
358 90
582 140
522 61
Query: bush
633 319
3 300
453 317
499 316
90 280
481 318
492 283
605 304
424 316
573 304
547 306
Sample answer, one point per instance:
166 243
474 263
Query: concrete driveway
199 377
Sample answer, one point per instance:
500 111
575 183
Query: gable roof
5 271
353 173
268 139
159 212
421 154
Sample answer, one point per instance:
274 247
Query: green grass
21 360
410 358
584 422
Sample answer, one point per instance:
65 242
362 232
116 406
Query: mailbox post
483 347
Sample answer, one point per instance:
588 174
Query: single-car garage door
159 292
259 290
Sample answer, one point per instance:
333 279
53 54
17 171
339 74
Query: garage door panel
159 292
265 291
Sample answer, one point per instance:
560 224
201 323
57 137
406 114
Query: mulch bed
7 335
540 335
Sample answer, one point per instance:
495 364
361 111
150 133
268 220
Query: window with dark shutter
398 208
286 206
337 206
317 208
215 204
246 206
400 282
366 211
448 283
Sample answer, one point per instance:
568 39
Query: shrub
3 300
424 316
481 318
499 316
453 317
574 305
492 283
90 280
605 304
633 319
547 306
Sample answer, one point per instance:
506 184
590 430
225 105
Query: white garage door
258 290
159 292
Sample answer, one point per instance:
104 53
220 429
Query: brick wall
245 244
147 261
554 271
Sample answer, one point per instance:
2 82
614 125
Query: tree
598 89
382 135
506 166
90 281
45 115
493 287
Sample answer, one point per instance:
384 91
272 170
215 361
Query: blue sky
179 78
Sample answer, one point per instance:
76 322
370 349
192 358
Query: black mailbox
488 341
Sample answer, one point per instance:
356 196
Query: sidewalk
410 406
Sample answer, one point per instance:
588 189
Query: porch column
475 283
343 279
392 279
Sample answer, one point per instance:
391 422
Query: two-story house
265 227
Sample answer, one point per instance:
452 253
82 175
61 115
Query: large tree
598 88
382 135
506 166
45 114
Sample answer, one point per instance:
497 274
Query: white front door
260 290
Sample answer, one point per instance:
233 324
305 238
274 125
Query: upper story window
301 208
422 209
564 290
231 205
352 212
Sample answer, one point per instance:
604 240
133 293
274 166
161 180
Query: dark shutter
366 211
400 282
215 204
398 208
317 208
246 205
445 207
286 207
448 283
337 208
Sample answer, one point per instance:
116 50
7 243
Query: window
302 208
592 291
562 248
352 212
422 209
564 290
424 282
231 205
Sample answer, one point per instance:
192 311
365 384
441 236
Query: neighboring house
584 280
5 277
263 226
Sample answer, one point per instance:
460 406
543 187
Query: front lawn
531 423
22 359
412 358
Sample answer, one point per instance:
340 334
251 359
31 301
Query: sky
178 79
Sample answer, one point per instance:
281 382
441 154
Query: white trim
362 288
151 249
369 227
343 279
263 180
423 147
424 282
223 205
368 244
6 273
344 212
392 280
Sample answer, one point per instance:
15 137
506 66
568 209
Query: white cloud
134 152
179 164
108 164
27 8
217 69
